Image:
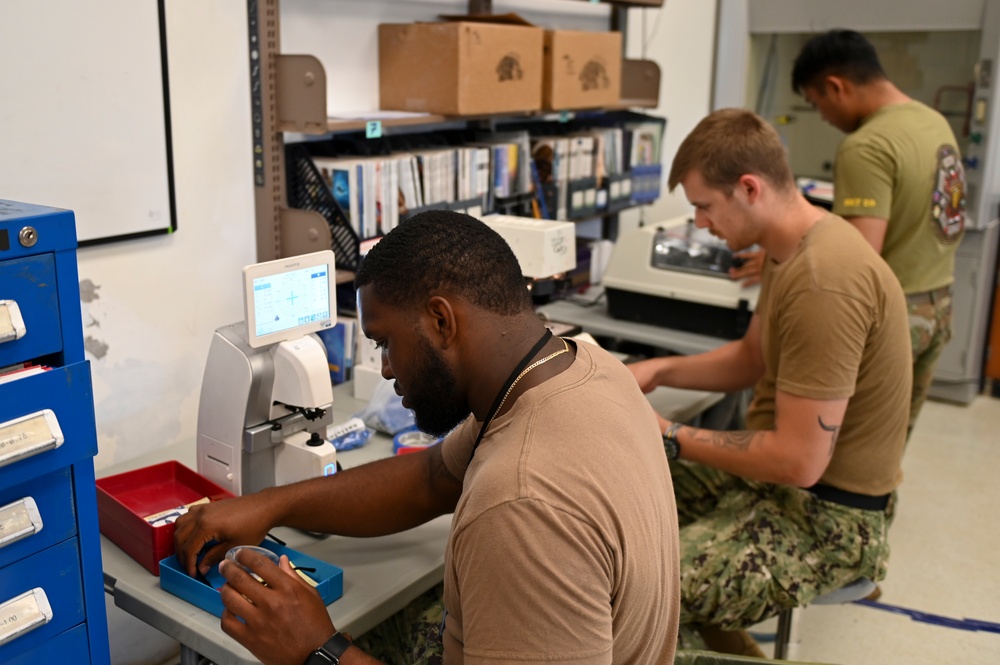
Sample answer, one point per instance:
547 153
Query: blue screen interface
294 298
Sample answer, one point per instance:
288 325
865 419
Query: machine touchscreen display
289 298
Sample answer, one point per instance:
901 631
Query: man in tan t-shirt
564 542
795 505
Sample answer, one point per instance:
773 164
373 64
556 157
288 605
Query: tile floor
945 553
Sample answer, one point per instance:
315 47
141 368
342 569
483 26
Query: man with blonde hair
796 505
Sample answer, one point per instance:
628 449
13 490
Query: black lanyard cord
539 345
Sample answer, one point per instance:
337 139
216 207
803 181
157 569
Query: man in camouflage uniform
898 178
796 505
411 636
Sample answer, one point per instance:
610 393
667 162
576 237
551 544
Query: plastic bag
385 411
349 435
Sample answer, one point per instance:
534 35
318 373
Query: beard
438 406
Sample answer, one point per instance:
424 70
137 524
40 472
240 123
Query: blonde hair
728 144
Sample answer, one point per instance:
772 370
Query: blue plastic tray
175 580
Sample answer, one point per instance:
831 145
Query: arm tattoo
833 429
740 440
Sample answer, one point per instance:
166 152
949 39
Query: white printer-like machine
544 248
675 275
266 396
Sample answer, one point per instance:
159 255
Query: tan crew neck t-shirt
564 544
834 325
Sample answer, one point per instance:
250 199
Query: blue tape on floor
762 638
934 619
973 625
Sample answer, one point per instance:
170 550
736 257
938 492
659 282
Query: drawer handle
29 435
23 614
19 520
11 321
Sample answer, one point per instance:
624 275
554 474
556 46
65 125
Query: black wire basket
308 191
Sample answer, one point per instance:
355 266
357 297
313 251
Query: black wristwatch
671 446
330 653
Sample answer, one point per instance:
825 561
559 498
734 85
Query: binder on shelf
551 157
582 194
341 175
472 207
619 191
543 208
585 167
308 191
518 205
646 183
339 343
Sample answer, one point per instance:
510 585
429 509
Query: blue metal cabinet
49 536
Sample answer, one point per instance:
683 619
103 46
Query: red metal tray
125 500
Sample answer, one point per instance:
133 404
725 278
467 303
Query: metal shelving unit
288 94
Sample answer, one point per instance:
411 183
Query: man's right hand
239 521
646 373
751 266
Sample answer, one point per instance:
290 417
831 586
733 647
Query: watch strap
331 652
671 446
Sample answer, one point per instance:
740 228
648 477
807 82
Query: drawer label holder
11 321
19 520
29 435
23 614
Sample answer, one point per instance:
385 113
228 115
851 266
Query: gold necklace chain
527 369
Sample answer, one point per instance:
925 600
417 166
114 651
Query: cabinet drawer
53 497
31 283
57 571
67 392
69 647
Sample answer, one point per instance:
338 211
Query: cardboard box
582 69
461 67
124 501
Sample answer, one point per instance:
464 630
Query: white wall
680 37
864 15
150 306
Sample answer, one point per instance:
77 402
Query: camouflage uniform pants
930 331
749 550
411 636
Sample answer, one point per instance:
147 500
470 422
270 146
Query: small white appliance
266 395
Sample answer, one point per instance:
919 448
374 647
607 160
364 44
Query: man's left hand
282 622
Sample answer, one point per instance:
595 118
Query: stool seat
787 638
856 590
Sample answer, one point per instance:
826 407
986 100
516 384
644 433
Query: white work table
381 575
594 319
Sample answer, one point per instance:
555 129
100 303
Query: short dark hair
728 144
844 53
440 252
